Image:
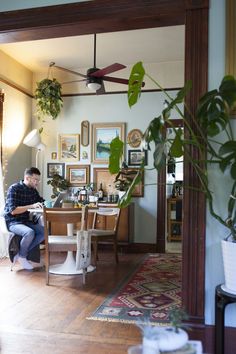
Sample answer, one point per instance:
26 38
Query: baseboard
206 334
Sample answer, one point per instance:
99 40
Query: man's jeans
32 235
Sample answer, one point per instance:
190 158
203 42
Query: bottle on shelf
83 195
100 192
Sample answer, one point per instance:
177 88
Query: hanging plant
48 98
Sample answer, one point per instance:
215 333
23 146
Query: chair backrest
64 216
108 212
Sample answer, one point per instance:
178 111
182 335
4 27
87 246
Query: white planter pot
165 339
229 262
171 340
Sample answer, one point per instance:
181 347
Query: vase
172 340
229 263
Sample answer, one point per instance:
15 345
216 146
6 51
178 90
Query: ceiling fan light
94 86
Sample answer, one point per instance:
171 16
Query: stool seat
222 299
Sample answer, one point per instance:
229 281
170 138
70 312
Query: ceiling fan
95 77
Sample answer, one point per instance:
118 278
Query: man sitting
22 196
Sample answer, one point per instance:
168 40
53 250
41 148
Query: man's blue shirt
19 195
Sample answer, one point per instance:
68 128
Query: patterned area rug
147 294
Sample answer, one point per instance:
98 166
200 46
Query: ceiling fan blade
101 90
108 69
118 80
71 82
70 71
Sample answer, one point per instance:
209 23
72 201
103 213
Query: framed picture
55 168
102 135
78 175
103 175
54 155
135 157
134 138
68 147
131 173
85 133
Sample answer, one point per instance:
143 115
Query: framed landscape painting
68 147
78 175
102 135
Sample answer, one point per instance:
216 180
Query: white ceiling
163 44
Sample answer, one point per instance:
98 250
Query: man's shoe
25 264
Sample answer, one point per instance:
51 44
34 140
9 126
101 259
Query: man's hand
37 205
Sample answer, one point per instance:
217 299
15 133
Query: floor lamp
33 139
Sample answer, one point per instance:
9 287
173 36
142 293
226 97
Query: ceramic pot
172 340
229 262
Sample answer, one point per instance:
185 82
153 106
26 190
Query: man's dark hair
30 171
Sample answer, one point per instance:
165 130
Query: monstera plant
211 134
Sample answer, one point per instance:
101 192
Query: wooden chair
60 243
110 217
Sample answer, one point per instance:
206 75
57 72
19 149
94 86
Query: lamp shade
33 139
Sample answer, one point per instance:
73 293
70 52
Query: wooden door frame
108 16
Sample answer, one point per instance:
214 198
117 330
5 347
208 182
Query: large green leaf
135 83
116 152
177 146
228 89
126 198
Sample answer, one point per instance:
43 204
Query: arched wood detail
107 16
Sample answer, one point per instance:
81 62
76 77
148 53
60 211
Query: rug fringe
128 321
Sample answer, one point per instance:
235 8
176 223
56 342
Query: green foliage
58 184
211 119
48 98
176 317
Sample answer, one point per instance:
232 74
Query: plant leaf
116 152
135 83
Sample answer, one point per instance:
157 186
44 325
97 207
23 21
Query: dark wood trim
107 16
194 203
16 87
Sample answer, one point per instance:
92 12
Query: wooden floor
35 318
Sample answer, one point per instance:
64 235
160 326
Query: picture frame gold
78 175
134 138
85 133
130 173
102 135
68 147
103 175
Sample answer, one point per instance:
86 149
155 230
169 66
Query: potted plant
59 184
211 134
48 99
165 338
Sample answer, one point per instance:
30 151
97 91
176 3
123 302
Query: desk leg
220 304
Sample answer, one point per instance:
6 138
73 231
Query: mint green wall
214 231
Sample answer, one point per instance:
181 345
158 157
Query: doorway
105 16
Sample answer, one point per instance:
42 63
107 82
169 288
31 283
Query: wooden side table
222 299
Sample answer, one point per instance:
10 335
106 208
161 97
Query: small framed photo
54 155
55 168
68 147
78 175
135 157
